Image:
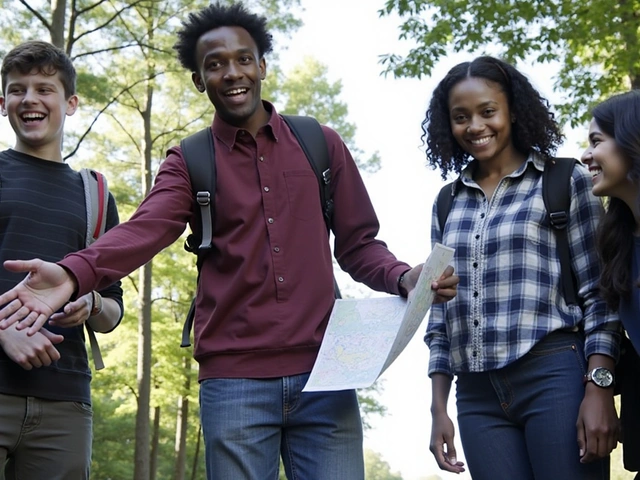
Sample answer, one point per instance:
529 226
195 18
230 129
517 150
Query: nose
475 125
587 156
233 72
30 96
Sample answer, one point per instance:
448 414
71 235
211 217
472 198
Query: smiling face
36 106
608 165
231 70
480 121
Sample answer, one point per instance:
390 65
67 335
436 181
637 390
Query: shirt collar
535 160
228 134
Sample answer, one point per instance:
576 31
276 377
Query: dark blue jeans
519 422
248 424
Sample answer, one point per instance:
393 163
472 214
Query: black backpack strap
311 138
199 156
556 193
445 201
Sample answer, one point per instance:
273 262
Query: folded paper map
365 336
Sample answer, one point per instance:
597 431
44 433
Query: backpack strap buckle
558 220
203 198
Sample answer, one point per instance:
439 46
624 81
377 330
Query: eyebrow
482 105
594 134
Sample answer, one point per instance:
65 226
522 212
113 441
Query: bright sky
348 36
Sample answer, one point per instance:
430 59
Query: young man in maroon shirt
265 295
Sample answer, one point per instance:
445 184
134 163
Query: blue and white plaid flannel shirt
509 296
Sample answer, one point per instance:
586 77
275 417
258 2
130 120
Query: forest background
365 67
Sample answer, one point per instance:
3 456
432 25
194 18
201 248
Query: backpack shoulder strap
199 155
445 201
556 194
311 138
96 193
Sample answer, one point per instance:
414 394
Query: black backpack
556 183
199 155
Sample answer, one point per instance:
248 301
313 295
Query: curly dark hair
619 118
215 16
535 127
43 57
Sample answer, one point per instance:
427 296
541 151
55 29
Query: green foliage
597 43
306 90
376 468
136 102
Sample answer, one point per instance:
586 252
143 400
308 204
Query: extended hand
44 290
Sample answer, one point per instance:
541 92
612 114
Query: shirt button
266 189
281 279
475 294
475 354
476 323
276 249
270 220
261 158
475 264
482 215
477 237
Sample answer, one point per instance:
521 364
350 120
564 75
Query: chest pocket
303 194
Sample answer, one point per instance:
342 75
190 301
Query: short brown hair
43 57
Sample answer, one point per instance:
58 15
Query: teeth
595 171
481 141
33 116
236 91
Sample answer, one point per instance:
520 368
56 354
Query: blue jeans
249 423
519 422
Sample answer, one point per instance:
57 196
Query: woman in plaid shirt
534 374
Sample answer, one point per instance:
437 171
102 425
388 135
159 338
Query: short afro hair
216 16
535 127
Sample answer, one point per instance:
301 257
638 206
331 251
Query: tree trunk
182 423
153 462
141 454
196 455
57 28
141 468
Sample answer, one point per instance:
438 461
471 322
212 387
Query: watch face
602 377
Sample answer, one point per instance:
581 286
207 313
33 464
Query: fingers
582 439
18 266
445 455
54 338
41 319
75 313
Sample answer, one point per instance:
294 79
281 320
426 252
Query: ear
3 110
197 81
263 68
72 105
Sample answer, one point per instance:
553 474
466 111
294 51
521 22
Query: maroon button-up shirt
265 294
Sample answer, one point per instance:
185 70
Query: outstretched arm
45 289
